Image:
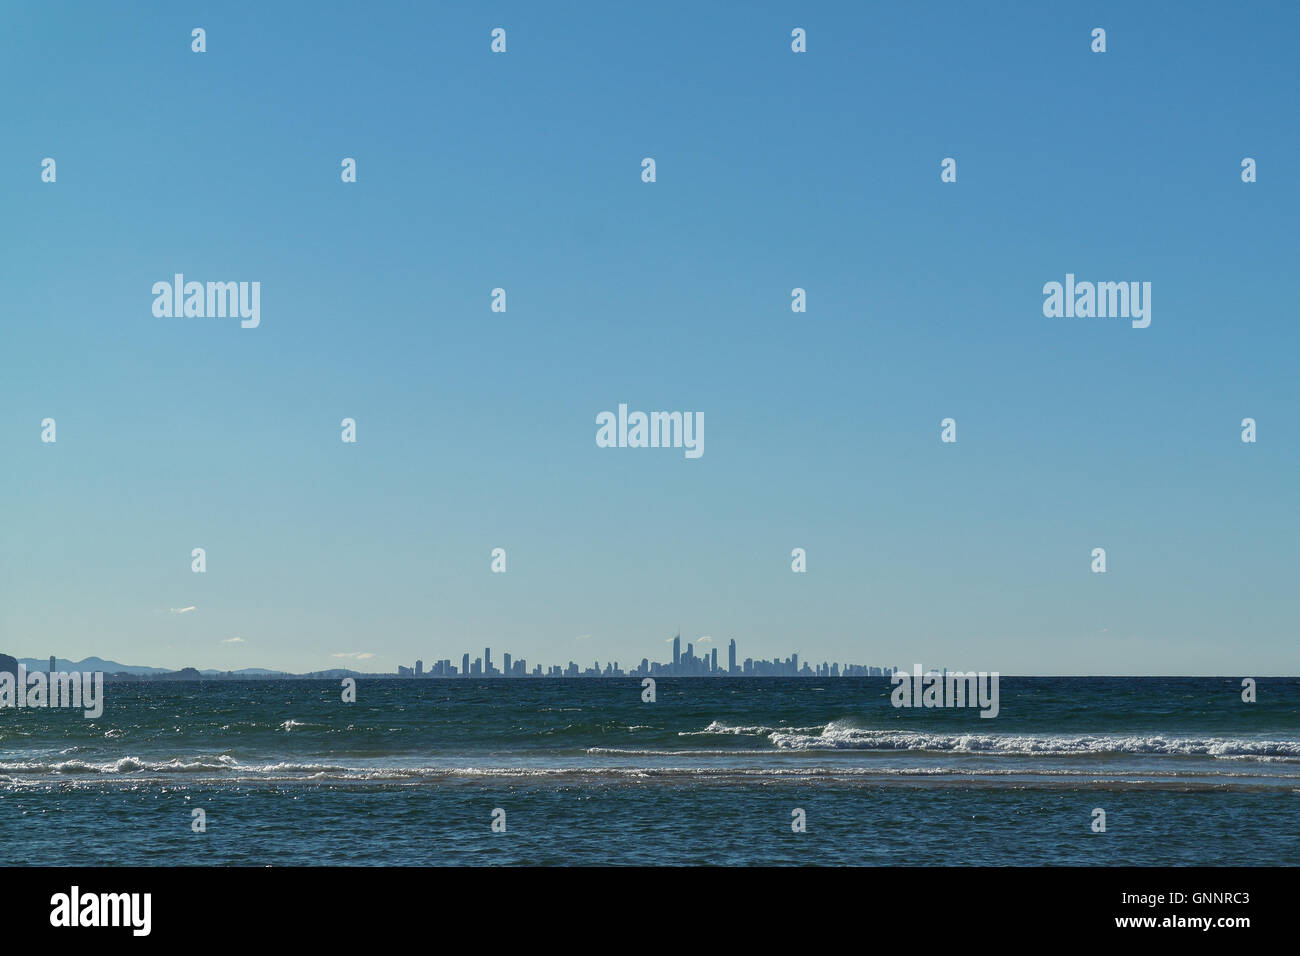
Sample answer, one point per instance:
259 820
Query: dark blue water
585 772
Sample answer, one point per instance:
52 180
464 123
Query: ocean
715 771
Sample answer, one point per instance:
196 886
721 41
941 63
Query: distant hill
185 673
89 664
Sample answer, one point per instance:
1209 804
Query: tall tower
731 657
487 661
51 663
464 665
677 651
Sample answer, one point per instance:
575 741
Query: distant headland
112 670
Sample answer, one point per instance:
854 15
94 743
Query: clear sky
476 429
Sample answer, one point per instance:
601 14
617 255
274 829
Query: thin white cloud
583 637
182 610
234 640
355 655
704 640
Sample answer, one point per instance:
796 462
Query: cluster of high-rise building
685 663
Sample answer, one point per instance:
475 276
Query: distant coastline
115 672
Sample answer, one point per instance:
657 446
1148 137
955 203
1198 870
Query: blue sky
476 429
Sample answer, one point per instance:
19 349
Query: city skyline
684 663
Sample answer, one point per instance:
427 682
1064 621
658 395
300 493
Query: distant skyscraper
731 657
677 651
713 660
464 665
487 660
419 668
51 663
505 664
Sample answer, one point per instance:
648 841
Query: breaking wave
845 735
